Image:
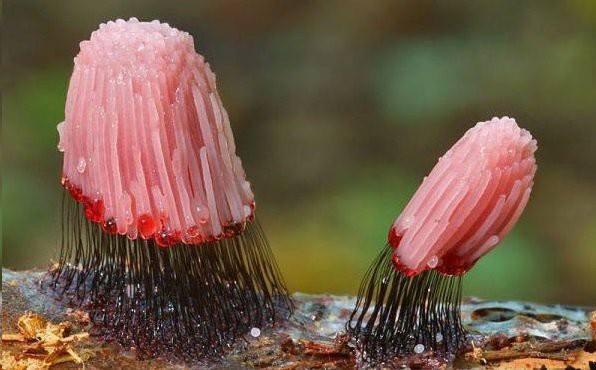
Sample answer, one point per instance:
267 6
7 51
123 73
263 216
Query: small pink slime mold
410 298
468 203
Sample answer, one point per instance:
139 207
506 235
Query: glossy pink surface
468 203
146 136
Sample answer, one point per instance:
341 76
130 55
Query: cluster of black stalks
196 301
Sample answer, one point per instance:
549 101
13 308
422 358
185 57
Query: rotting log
502 335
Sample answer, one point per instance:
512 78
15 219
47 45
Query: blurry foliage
339 109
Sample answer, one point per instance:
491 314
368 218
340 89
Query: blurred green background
339 109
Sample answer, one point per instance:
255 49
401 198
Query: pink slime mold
147 143
468 203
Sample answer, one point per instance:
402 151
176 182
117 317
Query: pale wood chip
13 338
10 362
50 344
30 324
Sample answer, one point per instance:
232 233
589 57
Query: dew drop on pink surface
146 226
145 132
468 203
166 238
81 165
110 226
433 262
203 215
94 210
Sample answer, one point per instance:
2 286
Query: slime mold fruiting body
410 297
146 139
159 232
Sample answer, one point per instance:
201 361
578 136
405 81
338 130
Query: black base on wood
186 301
396 315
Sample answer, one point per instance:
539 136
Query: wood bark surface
501 335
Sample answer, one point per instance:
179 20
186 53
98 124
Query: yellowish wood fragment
47 344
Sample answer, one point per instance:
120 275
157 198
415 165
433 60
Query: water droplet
110 226
165 238
419 348
433 262
81 165
146 226
94 210
439 337
255 332
493 240
130 290
408 221
60 129
385 280
203 214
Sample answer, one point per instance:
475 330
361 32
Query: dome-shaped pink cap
147 143
469 202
